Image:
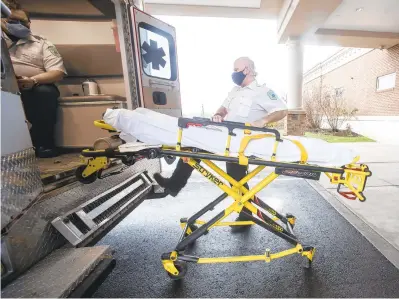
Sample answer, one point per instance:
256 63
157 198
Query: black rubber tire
129 161
87 180
181 267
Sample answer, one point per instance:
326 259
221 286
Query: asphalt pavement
345 264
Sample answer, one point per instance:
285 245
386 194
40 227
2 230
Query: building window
157 52
386 82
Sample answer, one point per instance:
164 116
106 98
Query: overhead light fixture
359 9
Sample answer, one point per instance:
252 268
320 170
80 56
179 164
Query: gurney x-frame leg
175 262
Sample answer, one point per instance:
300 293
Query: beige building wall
358 78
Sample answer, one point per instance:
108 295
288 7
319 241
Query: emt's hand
217 118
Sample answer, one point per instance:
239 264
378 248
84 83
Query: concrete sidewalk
381 208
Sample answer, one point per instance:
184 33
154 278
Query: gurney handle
230 125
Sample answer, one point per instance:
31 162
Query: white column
295 74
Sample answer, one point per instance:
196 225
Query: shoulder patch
53 50
272 95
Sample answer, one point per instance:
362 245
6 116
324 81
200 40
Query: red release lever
348 194
193 125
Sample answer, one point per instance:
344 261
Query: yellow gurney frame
353 176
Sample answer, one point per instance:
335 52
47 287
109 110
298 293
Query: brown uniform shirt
34 55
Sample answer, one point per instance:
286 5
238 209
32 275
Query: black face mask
238 77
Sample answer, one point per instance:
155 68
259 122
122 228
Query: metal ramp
64 273
82 225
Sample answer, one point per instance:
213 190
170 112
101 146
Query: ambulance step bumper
91 220
65 272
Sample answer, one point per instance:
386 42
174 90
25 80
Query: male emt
248 102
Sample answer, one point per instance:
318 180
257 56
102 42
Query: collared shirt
34 55
251 103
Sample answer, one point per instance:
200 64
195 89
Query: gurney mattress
155 128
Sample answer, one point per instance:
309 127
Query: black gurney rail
230 125
352 176
155 153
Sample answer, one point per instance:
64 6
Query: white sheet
154 128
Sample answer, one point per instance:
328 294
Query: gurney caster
87 174
85 179
128 161
175 269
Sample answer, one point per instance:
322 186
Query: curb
379 242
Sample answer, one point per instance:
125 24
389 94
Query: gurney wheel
85 180
130 161
181 267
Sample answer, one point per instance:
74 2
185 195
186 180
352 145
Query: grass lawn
336 139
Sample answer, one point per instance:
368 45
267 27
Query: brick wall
295 123
359 77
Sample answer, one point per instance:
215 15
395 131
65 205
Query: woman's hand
26 83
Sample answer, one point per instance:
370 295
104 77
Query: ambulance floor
63 163
345 264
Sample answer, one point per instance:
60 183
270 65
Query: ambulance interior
85 34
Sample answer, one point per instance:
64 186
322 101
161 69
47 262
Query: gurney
350 177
